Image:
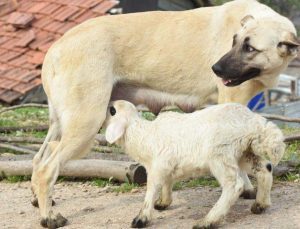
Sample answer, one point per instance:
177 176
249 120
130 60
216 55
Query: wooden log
119 170
280 118
291 138
30 140
9 129
16 148
22 106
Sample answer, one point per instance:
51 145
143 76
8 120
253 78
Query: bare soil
88 206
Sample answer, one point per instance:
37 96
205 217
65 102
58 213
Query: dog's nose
217 69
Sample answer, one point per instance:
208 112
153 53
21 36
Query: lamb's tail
269 143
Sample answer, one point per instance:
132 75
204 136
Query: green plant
125 187
16 179
100 182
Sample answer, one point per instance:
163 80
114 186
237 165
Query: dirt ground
88 206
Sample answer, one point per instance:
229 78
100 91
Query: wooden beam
119 170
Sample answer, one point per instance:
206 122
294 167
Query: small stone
160 217
188 207
85 190
88 209
181 217
134 190
21 212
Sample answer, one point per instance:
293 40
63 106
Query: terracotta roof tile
11 73
7 6
20 20
37 58
26 39
87 3
24 87
10 96
29 76
66 27
54 26
9 55
7 84
25 5
28 32
18 61
64 13
37 81
49 9
85 16
37 7
2 91
103 7
44 21
3 39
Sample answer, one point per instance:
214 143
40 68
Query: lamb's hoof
249 194
35 202
161 207
257 208
139 222
58 221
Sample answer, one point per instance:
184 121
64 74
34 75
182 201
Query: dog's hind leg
79 121
53 134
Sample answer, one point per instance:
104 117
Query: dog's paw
257 208
35 202
52 223
249 194
139 222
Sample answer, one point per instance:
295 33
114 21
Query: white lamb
221 140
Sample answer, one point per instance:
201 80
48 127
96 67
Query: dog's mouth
250 74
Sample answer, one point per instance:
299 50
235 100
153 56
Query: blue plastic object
257 102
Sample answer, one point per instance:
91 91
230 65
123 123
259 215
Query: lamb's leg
165 198
249 191
232 186
155 182
262 170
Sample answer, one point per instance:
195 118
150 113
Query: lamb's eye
112 111
248 48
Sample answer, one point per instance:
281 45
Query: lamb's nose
217 69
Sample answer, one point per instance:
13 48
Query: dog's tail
268 142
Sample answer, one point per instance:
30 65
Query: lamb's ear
246 19
289 45
115 130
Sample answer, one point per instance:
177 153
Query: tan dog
155 58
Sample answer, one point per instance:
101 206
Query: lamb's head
119 114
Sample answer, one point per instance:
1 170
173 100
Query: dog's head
259 48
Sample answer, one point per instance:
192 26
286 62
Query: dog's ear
246 19
289 45
115 129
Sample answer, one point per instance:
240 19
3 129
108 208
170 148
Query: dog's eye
112 111
248 48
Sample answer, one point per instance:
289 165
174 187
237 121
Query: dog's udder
153 99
